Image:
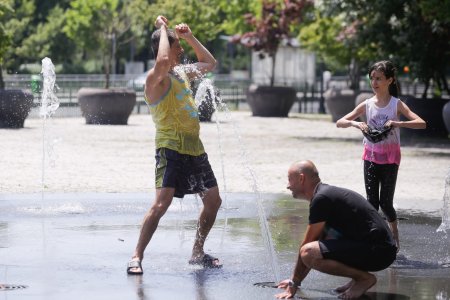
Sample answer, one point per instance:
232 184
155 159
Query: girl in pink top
382 156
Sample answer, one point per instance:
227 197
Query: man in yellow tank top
182 166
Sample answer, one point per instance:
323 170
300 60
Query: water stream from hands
206 89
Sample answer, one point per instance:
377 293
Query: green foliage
321 37
92 23
436 11
16 25
5 39
49 40
414 33
233 12
100 27
202 16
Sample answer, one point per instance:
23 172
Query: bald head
303 177
307 168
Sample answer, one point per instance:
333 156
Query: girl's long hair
389 70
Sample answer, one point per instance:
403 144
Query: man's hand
289 290
183 31
288 293
161 21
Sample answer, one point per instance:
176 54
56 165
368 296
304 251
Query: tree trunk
107 68
2 82
444 80
354 74
425 90
272 74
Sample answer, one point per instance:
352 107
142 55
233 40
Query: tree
48 40
414 33
423 41
233 10
15 22
272 27
203 17
5 40
100 27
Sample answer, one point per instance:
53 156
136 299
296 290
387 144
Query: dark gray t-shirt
349 214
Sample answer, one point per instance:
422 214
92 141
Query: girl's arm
414 121
349 119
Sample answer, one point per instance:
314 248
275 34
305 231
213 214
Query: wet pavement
76 246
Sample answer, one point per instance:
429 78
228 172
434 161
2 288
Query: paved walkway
243 150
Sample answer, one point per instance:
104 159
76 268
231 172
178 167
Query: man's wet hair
156 36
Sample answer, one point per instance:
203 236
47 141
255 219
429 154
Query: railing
232 90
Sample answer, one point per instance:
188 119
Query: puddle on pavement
77 246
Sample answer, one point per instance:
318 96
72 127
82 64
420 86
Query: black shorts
359 255
186 173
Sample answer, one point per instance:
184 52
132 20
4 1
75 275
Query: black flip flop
207 261
134 264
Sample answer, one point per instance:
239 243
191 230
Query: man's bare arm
313 233
155 82
206 61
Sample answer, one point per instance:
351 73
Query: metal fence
310 96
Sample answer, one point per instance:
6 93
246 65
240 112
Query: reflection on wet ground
76 246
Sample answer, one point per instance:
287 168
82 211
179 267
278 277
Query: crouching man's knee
310 253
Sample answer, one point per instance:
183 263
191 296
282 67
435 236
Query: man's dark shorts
186 173
359 255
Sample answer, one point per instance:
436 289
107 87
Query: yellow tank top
176 119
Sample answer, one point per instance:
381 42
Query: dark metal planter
271 101
14 107
429 110
446 116
339 102
106 106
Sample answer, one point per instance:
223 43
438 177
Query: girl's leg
372 183
388 177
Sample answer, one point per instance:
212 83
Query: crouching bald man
345 237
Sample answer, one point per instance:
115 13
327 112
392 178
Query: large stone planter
106 106
446 116
429 110
339 102
271 101
14 107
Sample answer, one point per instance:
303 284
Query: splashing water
206 87
264 225
445 226
49 105
49 102
205 93
265 229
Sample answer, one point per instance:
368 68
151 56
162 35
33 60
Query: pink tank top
386 151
